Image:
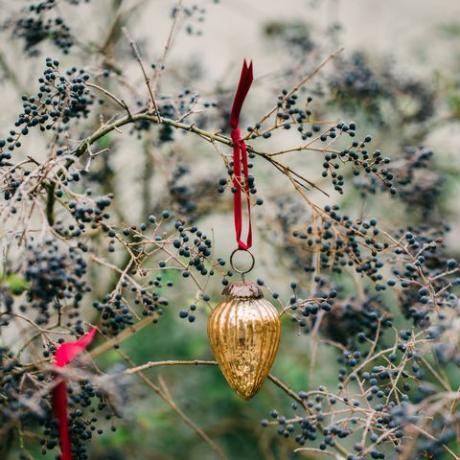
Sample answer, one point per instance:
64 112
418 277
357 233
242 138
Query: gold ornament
244 332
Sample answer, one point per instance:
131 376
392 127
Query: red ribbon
240 159
65 353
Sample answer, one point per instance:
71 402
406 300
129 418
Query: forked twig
137 54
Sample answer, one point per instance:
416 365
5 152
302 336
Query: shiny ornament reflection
244 332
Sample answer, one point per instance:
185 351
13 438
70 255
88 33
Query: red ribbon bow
65 353
240 159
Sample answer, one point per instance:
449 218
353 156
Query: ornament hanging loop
242 271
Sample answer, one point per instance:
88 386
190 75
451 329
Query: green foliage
16 283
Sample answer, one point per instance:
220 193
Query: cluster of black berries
192 194
87 406
357 85
370 169
42 6
12 405
340 243
34 30
7 145
294 36
115 314
40 23
358 319
193 245
194 16
291 111
372 166
318 426
304 312
188 313
60 99
193 248
182 194
354 85
358 322
347 319
86 212
168 110
56 281
10 187
419 184
173 108
425 272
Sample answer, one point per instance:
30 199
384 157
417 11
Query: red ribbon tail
65 353
246 79
60 412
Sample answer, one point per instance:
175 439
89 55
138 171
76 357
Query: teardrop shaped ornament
244 332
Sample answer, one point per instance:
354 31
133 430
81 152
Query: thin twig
301 83
112 96
144 72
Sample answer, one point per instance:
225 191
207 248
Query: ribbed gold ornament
244 332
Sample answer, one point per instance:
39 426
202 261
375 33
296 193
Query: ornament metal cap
243 290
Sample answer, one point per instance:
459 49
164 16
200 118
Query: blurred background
398 77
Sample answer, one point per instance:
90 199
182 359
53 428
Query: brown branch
150 364
125 334
166 397
112 96
160 67
275 380
144 72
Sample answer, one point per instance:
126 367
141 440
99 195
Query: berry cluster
294 36
35 30
61 98
11 407
186 192
419 185
42 23
358 85
335 242
56 282
87 406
